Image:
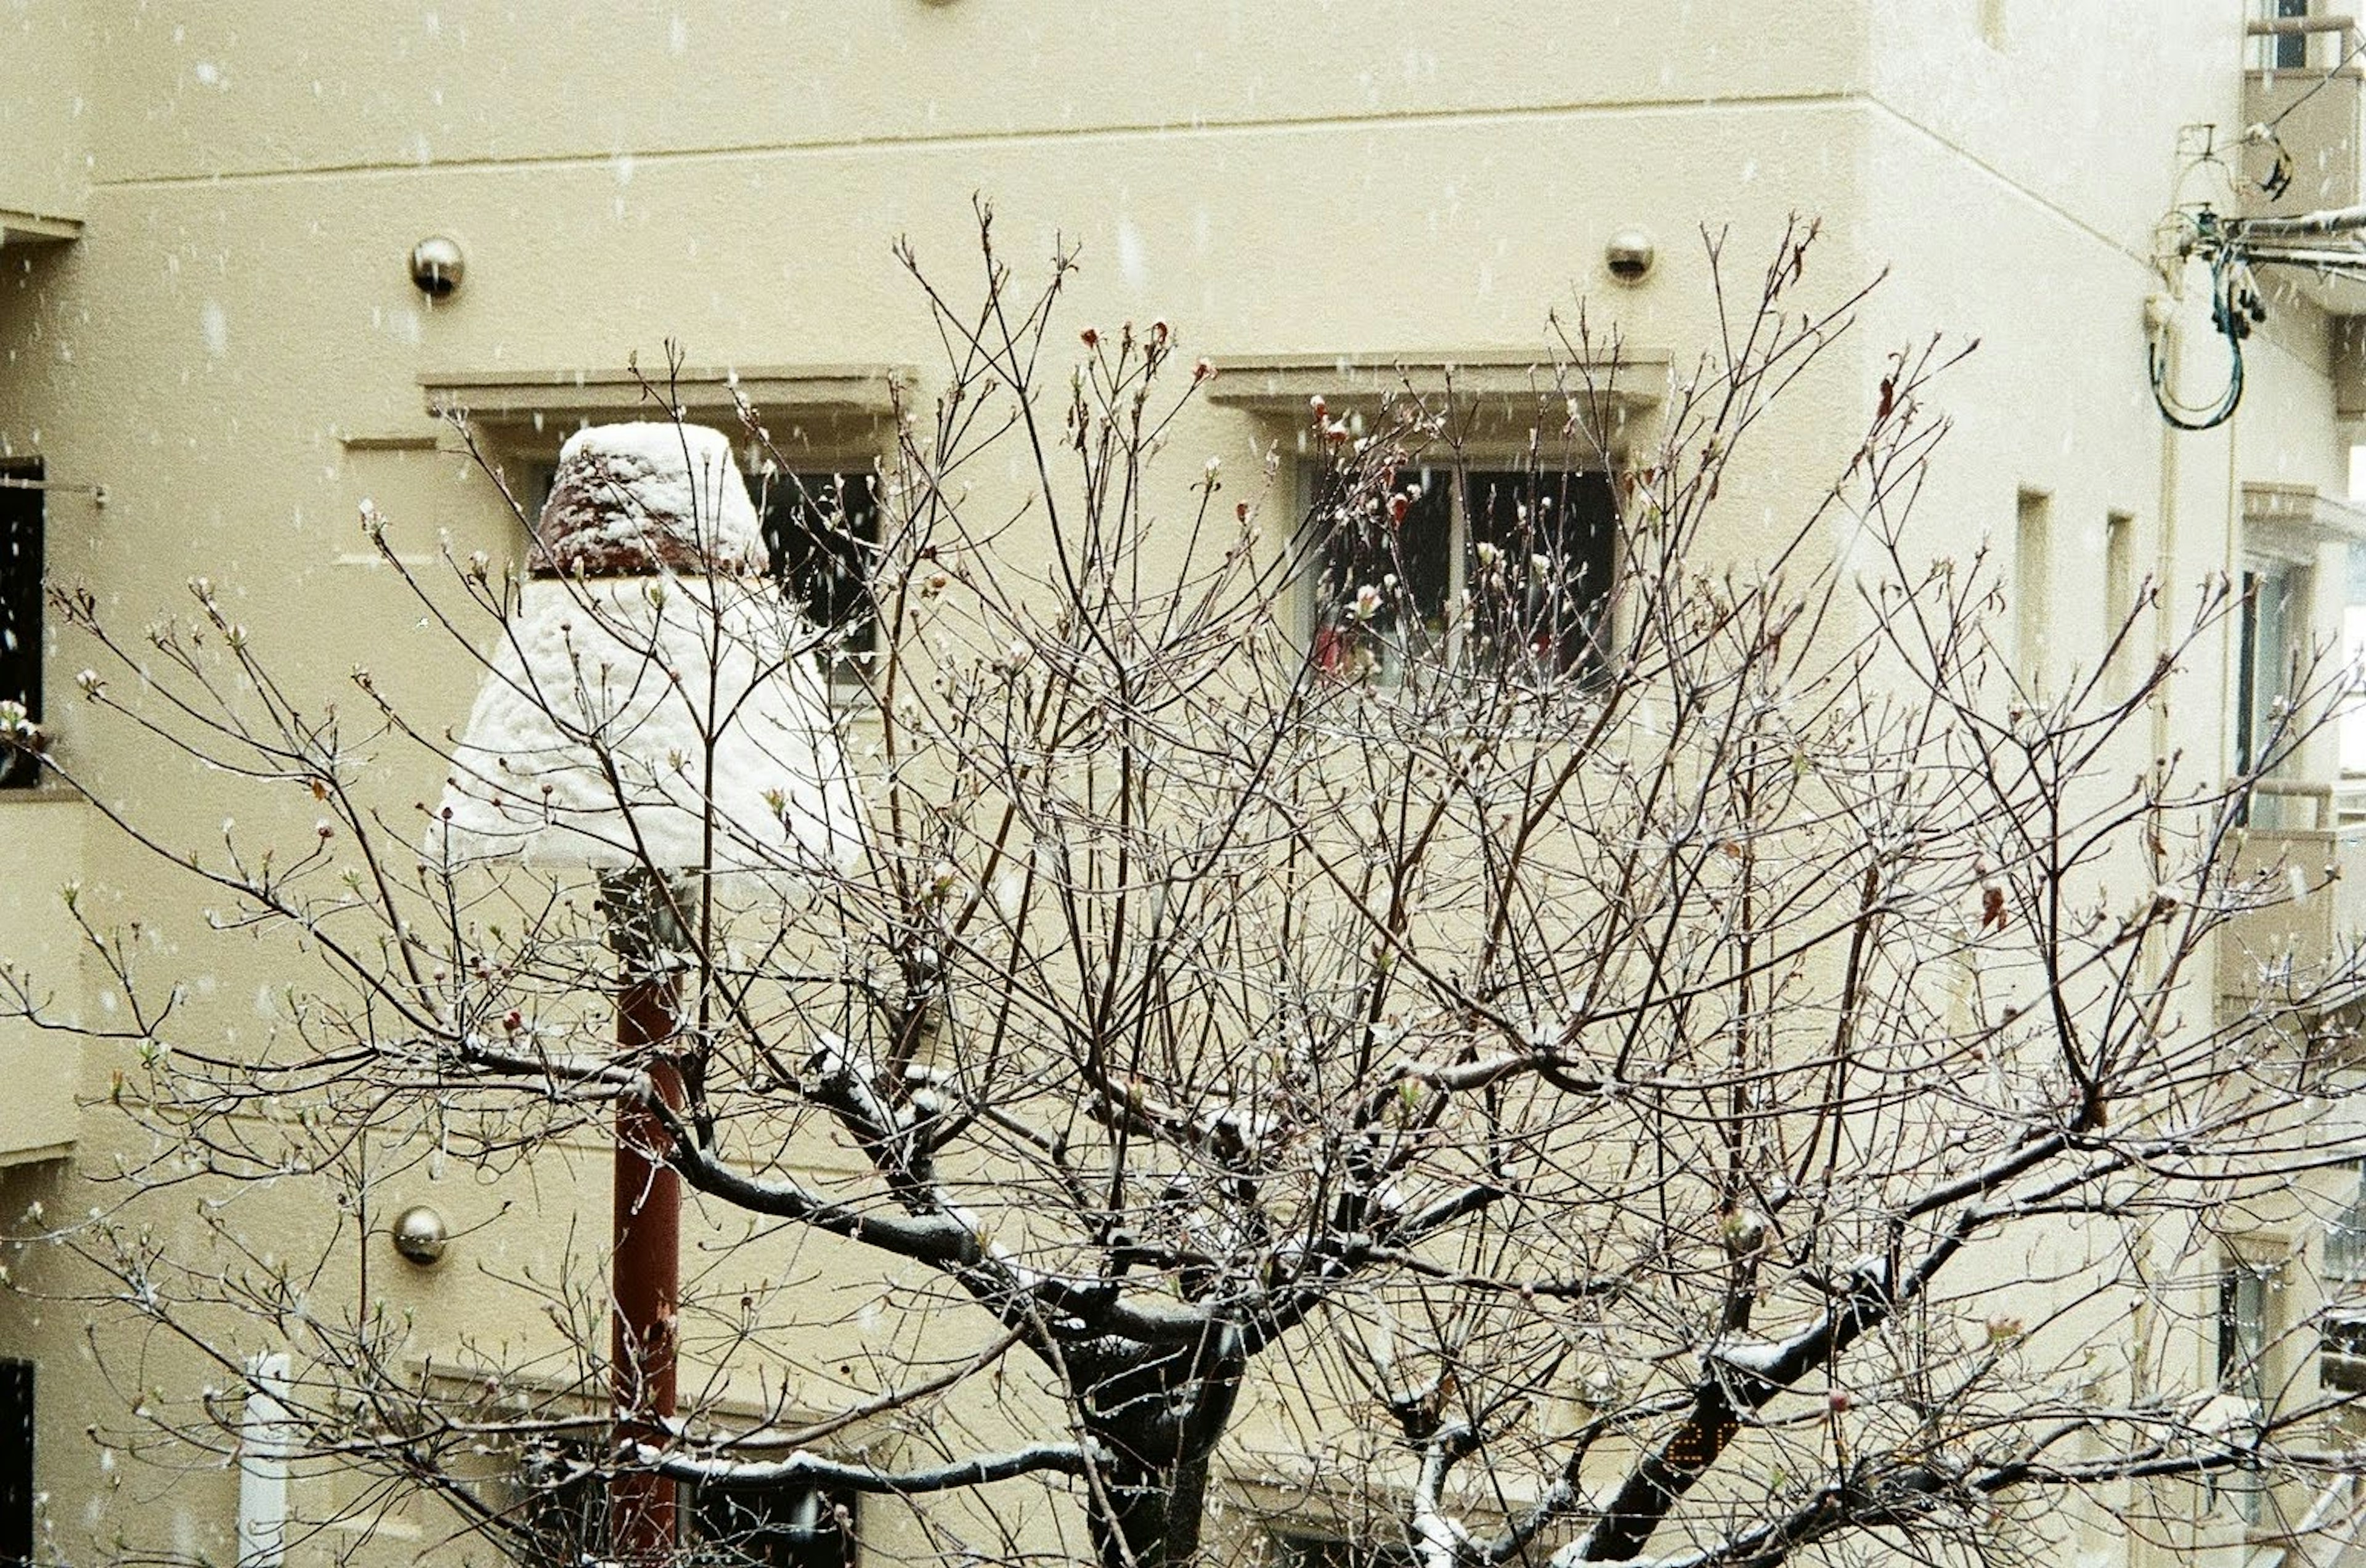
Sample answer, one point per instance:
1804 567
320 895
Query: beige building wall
233 350
46 114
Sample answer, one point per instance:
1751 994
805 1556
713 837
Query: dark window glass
1376 1551
821 532
20 607
1388 577
2292 49
2242 1369
801 1528
1529 551
16 1461
564 1507
2243 1331
1550 536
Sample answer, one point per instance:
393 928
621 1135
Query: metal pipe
97 493
2324 221
264 1443
645 1273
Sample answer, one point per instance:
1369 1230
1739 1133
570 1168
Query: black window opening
2243 1293
2341 1351
805 1527
2243 1331
1504 568
20 606
16 1462
565 1512
821 534
2291 48
1373 1550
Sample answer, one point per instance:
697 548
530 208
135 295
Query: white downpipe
262 1446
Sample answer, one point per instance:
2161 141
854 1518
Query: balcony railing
2308 842
2316 115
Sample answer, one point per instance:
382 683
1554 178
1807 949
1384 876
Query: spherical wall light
420 1234
437 266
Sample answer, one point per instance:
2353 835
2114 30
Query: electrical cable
2235 306
2235 246
2278 178
2322 83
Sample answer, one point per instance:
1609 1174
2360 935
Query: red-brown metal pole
646 1274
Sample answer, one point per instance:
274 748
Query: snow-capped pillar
652 714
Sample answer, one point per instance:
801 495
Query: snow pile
631 498
624 721
666 719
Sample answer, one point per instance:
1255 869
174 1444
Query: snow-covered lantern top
653 701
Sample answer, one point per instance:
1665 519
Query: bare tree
1450 1001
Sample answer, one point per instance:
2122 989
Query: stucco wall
47 107
238 313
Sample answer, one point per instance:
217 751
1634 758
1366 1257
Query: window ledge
33 228
1498 386
45 790
541 405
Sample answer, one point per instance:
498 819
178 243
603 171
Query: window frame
848 663
568 1520
2242 1349
704 1547
1589 610
24 522
2345 1235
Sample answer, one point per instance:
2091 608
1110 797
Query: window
2033 583
805 1528
2289 52
2345 1236
2268 648
2120 596
1501 566
2353 655
2242 1361
565 1505
821 537
17 1460
821 531
562 1501
20 606
2342 1352
2243 1331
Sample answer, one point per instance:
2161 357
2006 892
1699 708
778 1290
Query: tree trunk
1154 1515
1159 1413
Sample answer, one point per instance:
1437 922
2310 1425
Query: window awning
822 406
1496 393
32 228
